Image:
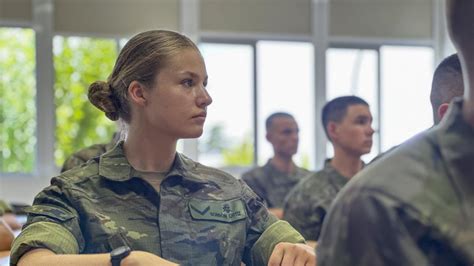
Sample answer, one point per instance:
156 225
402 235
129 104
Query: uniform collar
272 169
331 171
114 165
456 140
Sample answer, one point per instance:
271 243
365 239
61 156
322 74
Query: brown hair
139 60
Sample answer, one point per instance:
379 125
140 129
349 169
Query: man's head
282 133
347 122
447 84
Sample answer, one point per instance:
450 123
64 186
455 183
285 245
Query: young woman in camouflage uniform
144 195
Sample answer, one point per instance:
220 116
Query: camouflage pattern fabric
201 216
414 206
84 155
308 202
271 184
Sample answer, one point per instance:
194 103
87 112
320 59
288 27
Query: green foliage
227 152
240 154
214 140
79 62
17 100
304 161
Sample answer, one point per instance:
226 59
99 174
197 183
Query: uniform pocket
220 228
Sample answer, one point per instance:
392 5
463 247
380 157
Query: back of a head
336 109
272 117
139 60
447 84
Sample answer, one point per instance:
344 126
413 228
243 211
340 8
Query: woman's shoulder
223 181
78 174
216 175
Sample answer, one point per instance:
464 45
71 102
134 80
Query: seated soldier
415 205
276 178
347 122
88 153
143 203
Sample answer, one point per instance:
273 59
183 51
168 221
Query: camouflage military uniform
271 184
200 216
308 202
415 206
87 153
4 207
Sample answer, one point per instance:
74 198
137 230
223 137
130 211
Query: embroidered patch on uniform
224 211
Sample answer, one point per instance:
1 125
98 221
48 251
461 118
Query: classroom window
406 74
286 83
78 62
17 100
228 135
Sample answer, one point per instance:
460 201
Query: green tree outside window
17 100
78 62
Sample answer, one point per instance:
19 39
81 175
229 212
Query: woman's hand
292 254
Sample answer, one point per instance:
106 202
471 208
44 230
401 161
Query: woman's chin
192 134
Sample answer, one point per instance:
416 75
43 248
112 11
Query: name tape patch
224 211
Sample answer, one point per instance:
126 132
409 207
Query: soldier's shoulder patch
226 211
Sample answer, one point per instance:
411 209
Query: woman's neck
149 152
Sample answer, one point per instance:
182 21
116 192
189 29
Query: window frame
45 166
43 24
376 45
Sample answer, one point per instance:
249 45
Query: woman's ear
137 93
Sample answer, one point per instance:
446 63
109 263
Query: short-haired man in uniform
276 178
415 206
347 122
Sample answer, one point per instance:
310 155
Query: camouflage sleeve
365 228
303 211
278 232
264 231
251 180
52 224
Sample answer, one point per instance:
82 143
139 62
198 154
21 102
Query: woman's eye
188 82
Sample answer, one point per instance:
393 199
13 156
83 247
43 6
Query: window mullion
43 26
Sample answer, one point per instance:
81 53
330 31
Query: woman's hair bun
101 95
